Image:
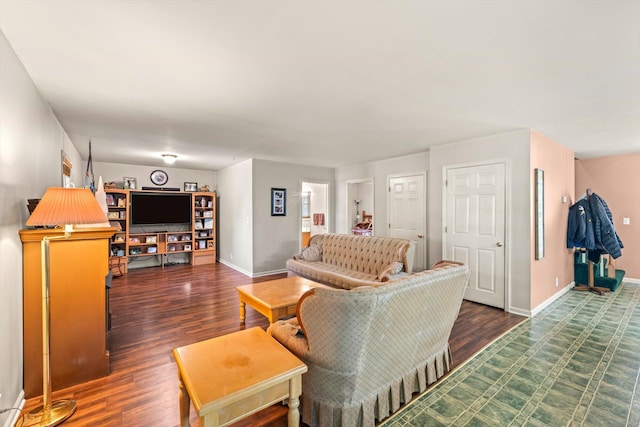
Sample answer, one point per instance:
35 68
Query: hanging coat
607 239
580 227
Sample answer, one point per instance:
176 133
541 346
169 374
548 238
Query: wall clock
159 177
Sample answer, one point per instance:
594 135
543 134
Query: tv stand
198 242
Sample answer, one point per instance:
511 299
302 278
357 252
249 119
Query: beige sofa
349 261
370 348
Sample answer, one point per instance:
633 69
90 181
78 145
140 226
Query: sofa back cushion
350 330
370 255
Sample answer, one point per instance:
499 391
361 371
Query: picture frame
191 186
110 200
130 183
539 209
278 201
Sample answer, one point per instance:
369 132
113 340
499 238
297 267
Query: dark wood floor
155 310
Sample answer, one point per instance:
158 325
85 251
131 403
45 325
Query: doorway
360 205
314 208
474 232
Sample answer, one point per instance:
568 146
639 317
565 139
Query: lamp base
60 410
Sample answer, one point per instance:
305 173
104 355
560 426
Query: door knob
499 244
420 236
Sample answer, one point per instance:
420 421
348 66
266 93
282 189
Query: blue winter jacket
580 227
605 234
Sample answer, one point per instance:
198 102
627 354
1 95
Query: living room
255 243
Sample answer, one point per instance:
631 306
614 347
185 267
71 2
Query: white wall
177 176
235 212
31 140
379 171
514 147
78 166
276 238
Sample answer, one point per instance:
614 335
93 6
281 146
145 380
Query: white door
407 214
474 228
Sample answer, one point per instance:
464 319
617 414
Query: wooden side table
232 376
275 298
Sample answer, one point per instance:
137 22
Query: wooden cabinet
198 241
79 266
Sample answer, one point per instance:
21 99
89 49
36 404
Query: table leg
243 311
295 389
185 402
210 420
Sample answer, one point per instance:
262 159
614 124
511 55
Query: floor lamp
67 206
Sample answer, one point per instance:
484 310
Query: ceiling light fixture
169 158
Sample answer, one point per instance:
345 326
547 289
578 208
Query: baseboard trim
630 280
519 311
13 419
269 273
247 273
551 299
235 267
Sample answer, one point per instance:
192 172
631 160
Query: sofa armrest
289 334
445 263
409 258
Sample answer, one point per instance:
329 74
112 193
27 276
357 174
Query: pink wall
617 180
558 164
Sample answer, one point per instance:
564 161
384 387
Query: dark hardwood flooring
155 310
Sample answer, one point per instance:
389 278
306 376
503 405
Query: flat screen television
160 208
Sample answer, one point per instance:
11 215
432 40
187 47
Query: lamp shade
62 206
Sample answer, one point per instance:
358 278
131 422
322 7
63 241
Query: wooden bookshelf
198 242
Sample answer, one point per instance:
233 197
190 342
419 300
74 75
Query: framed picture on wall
191 186
129 183
539 208
278 202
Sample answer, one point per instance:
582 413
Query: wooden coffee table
236 375
275 298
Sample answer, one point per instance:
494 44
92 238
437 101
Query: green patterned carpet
577 363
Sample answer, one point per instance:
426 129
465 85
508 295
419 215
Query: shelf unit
204 236
117 203
199 241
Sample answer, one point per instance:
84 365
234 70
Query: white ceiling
329 83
